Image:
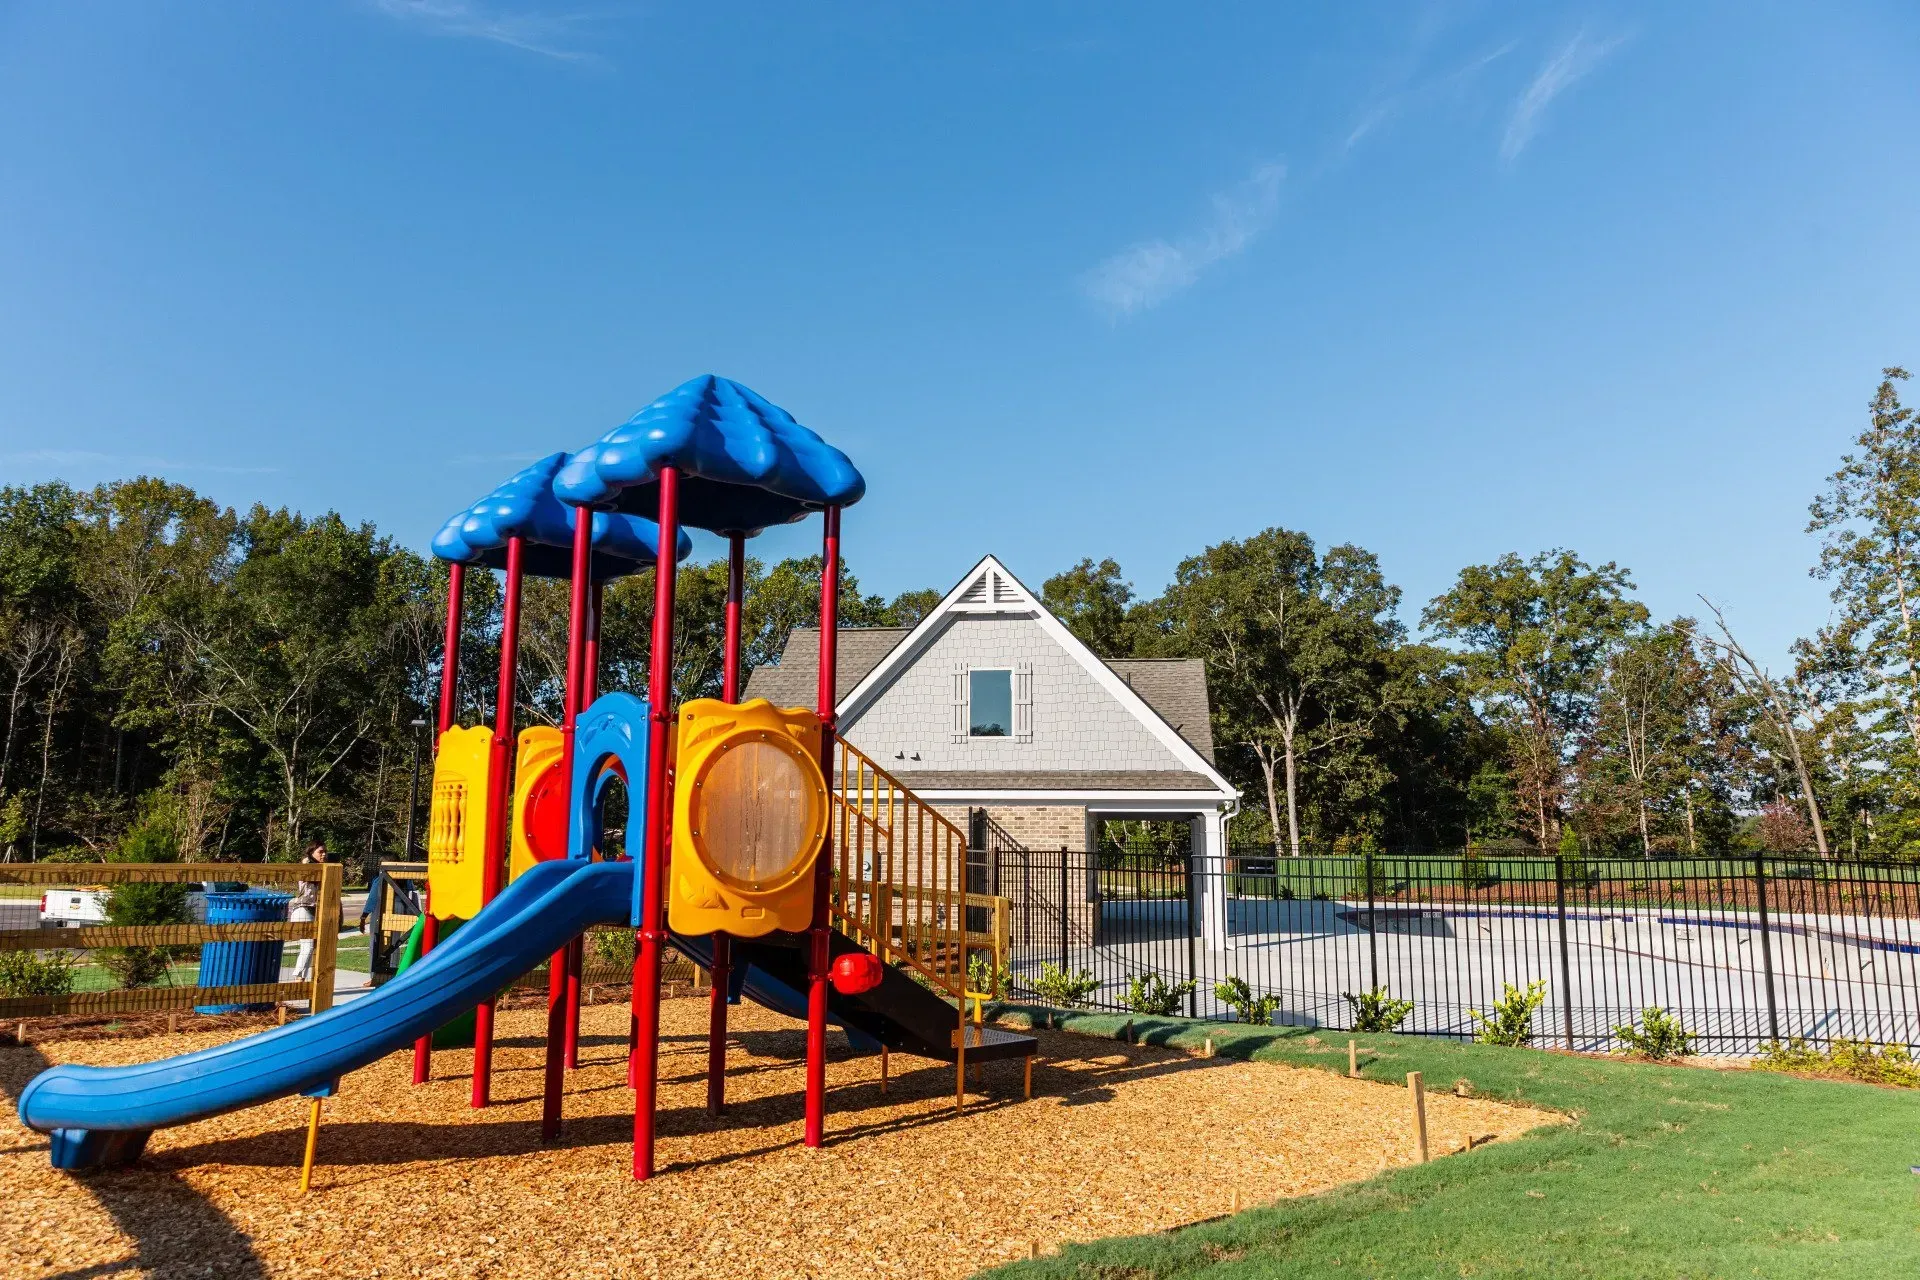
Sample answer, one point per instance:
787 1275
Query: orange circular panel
759 811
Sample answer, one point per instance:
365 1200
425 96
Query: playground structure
771 852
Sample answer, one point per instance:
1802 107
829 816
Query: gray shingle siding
1077 724
1176 688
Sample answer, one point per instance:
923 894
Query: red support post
721 974
570 713
577 949
643 1067
818 947
499 802
449 696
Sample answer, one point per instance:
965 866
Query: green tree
1295 644
297 653
1536 635
1093 601
1868 660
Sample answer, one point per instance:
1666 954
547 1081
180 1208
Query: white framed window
990 702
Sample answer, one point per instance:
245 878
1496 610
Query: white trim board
990 588
1195 800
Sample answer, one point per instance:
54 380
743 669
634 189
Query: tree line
1543 706
181 677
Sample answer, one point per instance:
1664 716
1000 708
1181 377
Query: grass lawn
1669 1171
91 977
353 953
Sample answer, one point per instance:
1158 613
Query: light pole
413 788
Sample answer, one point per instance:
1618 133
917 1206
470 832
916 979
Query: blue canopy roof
744 462
525 507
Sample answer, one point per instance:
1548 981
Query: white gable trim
1198 801
990 588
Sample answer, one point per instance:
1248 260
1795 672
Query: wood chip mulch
1118 1139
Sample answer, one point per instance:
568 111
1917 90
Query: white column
1210 866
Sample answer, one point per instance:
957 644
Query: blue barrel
234 964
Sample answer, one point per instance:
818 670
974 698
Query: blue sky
1446 280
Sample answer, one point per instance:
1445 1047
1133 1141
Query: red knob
855 972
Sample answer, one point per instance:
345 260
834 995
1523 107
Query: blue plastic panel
745 463
615 727
524 507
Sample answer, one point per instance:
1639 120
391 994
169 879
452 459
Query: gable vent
1004 592
977 591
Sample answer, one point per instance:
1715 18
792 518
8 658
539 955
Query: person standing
306 902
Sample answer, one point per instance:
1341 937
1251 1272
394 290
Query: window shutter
1023 702
959 733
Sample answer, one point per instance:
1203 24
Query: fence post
1193 1005
1566 970
1766 943
1373 932
326 939
1063 909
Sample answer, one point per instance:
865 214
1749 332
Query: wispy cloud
547 34
124 462
1562 71
1386 106
1145 275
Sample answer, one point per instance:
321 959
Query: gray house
990 703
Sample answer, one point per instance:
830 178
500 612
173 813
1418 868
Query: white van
80 908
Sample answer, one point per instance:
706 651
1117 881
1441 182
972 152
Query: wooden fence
597 971
324 929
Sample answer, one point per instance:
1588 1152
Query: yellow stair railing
900 877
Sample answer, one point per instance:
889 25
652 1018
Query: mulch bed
412 1182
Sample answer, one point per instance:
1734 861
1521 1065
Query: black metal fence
1743 949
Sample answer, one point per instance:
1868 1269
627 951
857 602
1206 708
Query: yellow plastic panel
457 830
749 815
539 753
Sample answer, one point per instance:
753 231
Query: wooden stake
960 1064
1209 1049
1236 1201
1029 1085
1353 1060
20 1032
1417 1095
1128 1031
313 1140
173 1023
280 1015
883 1070
1033 1248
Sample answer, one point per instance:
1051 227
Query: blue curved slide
102 1115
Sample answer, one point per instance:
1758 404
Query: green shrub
1659 1036
1376 1011
1256 1011
152 840
1153 994
1854 1059
144 904
36 973
1511 1022
1573 863
67 853
984 977
614 946
1064 990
